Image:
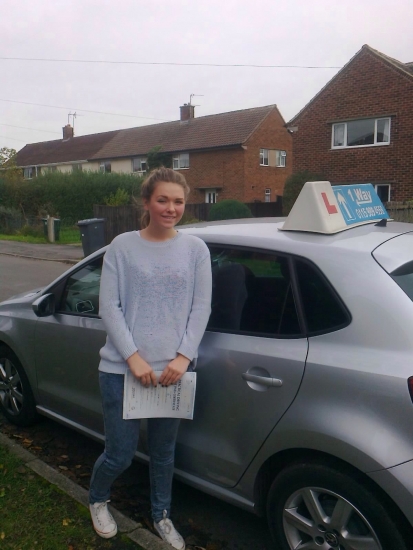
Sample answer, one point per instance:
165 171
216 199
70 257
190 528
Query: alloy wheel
11 389
318 519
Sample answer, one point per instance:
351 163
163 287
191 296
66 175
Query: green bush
31 231
229 209
10 219
293 186
120 198
65 195
187 219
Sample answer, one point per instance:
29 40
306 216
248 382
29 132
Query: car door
67 348
250 365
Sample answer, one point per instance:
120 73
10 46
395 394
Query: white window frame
180 161
344 124
29 172
281 157
139 164
264 157
103 167
211 196
267 195
377 185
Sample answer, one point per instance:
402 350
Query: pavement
66 253
70 254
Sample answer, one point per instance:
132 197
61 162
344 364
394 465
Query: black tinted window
322 307
81 291
252 293
404 278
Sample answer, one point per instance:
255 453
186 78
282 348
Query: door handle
263 380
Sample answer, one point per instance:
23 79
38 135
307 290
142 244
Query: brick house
244 155
359 127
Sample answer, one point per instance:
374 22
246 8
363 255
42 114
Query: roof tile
206 132
59 150
221 130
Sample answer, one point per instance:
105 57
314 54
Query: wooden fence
400 212
119 219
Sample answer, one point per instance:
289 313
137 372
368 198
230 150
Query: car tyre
315 506
16 397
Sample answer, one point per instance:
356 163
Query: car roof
268 233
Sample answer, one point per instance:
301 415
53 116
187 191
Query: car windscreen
403 276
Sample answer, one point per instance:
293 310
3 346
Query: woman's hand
141 370
173 372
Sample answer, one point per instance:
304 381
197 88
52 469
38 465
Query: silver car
304 406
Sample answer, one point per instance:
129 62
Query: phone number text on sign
369 211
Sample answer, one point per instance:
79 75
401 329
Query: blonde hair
156 176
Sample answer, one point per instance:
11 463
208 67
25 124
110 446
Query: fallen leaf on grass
66 522
2 535
27 442
2 492
64 456
18 436
63 468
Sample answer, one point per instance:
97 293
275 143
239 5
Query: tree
293 186
229 209
156 158
7 157
8 168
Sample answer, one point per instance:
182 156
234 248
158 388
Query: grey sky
260 32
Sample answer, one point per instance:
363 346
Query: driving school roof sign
323 208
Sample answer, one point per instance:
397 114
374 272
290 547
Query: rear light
410 385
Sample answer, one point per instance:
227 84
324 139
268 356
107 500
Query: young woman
155 301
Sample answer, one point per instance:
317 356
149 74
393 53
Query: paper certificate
174 401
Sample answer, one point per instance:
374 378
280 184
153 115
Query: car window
403 276
252 293
81 291
323 309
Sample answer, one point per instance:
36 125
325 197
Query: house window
76 167
211 196
180 161
273 157
361 133
52 168
29 172
267 195
105 167
263 157
280 158
383 192
139 164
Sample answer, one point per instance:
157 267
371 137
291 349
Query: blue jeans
121 443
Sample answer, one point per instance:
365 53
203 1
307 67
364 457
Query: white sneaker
168 533
103 522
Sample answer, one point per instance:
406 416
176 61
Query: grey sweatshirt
155 298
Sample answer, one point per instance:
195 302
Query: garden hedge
65 195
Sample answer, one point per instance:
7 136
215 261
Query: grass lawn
37 515
68 235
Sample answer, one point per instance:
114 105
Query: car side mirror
44 306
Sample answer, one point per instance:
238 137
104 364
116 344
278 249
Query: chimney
68 132
187 112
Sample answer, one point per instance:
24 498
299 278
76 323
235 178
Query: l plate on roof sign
322 208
